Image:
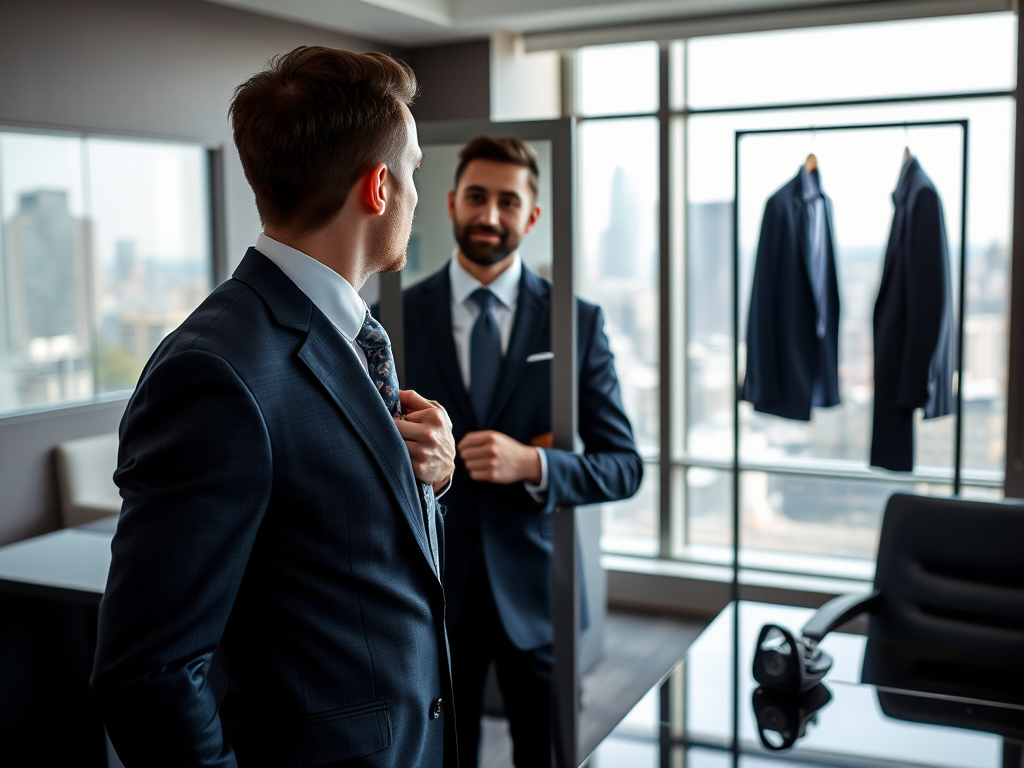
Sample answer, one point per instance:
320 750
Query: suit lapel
532 313
899 200
327 356
803 230
436 316
330 359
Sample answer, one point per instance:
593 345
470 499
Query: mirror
498 543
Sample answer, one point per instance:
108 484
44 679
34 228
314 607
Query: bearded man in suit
478 338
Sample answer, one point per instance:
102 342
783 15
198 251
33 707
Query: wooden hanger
906 155
812 163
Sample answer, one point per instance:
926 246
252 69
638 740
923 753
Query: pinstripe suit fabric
272 598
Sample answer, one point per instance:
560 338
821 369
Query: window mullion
665 383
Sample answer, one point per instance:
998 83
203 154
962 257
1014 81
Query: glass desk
697 718
70 564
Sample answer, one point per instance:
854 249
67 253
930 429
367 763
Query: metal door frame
562 135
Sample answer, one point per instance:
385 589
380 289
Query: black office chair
948 599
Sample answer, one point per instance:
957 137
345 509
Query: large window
105 247
618 182
809 502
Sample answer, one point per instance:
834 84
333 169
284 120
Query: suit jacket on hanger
913 323
784 353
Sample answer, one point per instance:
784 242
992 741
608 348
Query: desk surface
70 564
688 719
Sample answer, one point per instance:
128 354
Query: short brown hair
310 124
505 149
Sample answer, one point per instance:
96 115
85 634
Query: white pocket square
536 357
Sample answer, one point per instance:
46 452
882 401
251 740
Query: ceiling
411 23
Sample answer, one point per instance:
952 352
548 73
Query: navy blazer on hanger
913 323
784 353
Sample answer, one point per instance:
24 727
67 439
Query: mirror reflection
477 337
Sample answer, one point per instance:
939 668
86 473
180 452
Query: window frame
217 267
673 461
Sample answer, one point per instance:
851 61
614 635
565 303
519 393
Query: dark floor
639 649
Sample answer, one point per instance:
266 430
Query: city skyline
73 327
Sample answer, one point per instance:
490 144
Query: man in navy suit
274 597
478 338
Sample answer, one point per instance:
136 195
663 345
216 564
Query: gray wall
155 68
455 81
28 483
161 68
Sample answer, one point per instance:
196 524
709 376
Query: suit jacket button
436 708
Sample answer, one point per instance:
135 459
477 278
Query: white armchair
85 470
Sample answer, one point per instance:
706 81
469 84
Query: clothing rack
961 290
958 440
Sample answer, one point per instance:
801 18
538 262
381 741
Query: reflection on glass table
698 717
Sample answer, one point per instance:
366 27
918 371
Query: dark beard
484 254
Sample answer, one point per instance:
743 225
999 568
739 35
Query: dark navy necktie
484 355
380 363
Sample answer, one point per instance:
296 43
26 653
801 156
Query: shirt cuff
446 488
540 490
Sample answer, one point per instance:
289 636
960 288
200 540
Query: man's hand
427 432
496 458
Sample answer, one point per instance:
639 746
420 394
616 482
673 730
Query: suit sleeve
761 380
194 469
926 297
610 467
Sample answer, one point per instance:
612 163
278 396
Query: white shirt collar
505 286
332 293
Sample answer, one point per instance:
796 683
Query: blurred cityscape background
85 305
105 247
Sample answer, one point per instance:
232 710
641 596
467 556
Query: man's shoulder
233 322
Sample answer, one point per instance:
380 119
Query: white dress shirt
330 292
464 314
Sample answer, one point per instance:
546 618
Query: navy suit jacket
913 323
784 353
513 529
272 598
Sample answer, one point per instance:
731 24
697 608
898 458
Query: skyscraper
49 270
619 254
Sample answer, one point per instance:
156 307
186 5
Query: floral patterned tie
376 345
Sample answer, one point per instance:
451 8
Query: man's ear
374 189
451 204
531 222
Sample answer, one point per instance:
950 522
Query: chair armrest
839 610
